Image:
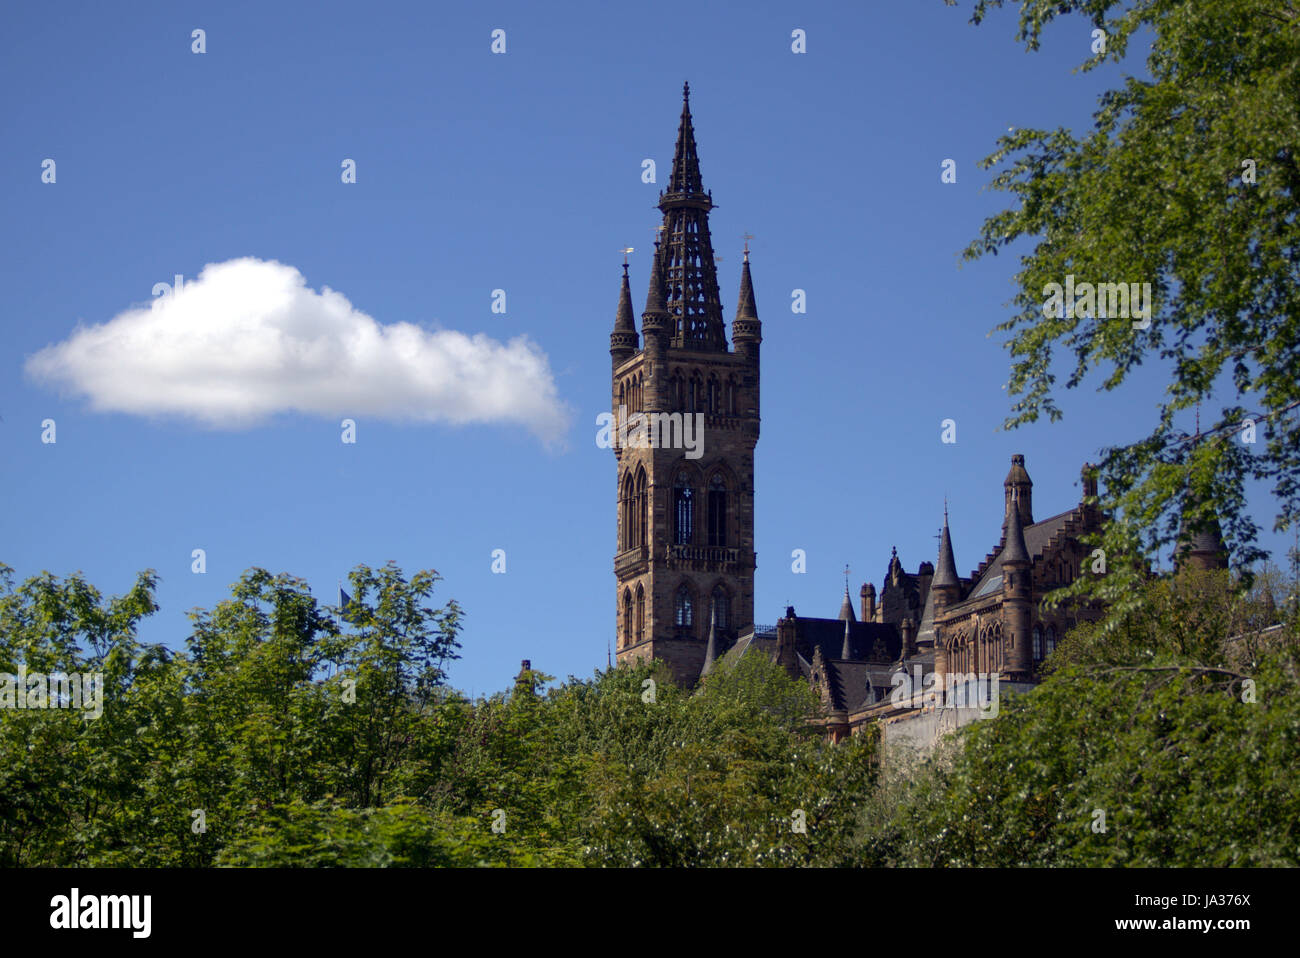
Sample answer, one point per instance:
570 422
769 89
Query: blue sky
518 171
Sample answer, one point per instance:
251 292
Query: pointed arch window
685 613
721 608
627 617
1049 639
641 509
683 512
714 397
731 397
626 533
1038 643
717 507
640 613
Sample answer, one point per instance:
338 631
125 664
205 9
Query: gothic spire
686 161
623 320
623 340
690 272
745 307
711 650
946 572
655 297
846 607
1016 551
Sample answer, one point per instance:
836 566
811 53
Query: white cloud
248 339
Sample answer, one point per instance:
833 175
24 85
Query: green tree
1187 180
1165 741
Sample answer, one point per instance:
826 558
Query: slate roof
828 635
851 682
1036 538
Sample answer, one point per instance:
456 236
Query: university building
684 562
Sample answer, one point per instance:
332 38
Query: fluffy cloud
248 339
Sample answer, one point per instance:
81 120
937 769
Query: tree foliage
291 733
1165 742
1188 180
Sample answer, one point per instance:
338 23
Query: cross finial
846 577
748 237
625 250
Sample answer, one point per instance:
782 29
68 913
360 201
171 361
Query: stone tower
686 415
1017 595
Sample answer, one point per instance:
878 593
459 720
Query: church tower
686 422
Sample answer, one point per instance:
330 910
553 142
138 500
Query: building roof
1037 536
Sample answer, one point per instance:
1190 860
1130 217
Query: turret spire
846 653
846 607
623 320
945 574
711 650
623 341
654 301
745 305
1016 551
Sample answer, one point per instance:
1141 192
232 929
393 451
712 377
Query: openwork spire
686 161
690 272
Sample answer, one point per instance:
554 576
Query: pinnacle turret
1016 550
745 305
655 305
846 608
711 650
945 573
623 341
